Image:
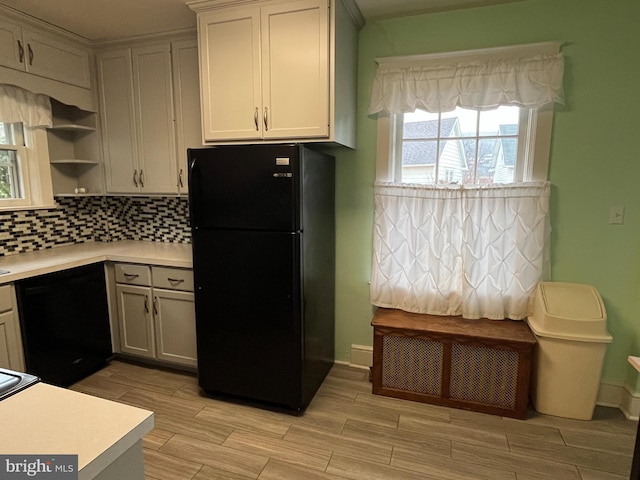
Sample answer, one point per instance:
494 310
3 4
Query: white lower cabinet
174 315
11 356
156 313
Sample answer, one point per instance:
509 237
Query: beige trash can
569 322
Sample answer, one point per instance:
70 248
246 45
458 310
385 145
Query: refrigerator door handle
194 191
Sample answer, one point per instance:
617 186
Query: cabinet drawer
5 298
133 274
173 278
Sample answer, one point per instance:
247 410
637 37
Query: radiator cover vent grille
412 364
483 375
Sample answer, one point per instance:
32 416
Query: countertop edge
25 265
106 458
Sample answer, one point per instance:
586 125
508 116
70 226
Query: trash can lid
569 310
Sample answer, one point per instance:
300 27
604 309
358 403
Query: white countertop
23 265
44 419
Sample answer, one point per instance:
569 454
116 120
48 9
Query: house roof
428 128
424 152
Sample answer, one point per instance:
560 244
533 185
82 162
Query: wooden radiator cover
481 365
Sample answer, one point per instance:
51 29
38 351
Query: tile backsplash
85 219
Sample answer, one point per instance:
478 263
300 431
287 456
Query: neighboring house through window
12 152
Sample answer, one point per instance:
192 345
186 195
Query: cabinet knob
135 177
255 119
30 54
180 182
141 178
266 119
146 304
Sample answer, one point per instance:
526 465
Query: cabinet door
6 320
10 37
153 95
230 74
135 320
295 69
48 57
115 79
175 322
186 85
9 350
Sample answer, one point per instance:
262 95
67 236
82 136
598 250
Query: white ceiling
107 19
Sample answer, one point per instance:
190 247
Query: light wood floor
348 433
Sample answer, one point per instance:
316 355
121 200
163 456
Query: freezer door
245 187
248 314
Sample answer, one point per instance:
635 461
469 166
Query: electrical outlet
616 215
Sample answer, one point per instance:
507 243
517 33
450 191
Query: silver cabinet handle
175 281
180 182
135 177
20 51
146 304
30 54
155 306
141 178
255 119
266 119
131 276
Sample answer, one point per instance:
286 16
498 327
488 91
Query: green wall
594 164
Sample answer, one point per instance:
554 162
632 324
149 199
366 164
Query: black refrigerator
263 235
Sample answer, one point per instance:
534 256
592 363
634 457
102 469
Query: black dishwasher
64 317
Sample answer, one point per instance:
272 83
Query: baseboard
619 395
361 356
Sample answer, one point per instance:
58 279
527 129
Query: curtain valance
483 83
19 105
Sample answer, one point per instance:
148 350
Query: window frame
534 144
35 172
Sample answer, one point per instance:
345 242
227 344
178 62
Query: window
464 146
25 174
508 144
11 154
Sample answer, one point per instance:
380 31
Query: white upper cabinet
295 70
136 104
230 74
186 86
269 70
153 94
115 79
43 54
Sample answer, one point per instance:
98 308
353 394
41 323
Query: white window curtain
19 105
479 82
475 251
